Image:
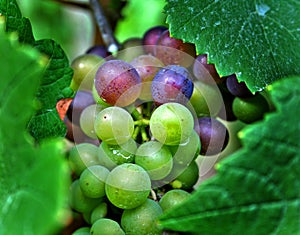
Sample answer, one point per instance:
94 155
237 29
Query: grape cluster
139 121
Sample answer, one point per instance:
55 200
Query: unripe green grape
82 231
92 181
171 124
85 68
250 109
206 99
155 158
114 125
142 220
112 155
106 226
127 186
188 178
78 201
98 212
87 119
173 198
82 156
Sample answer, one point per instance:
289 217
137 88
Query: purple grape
174 51
205 72
118 83
78 104
151 37
99 50
213 135
237 88
172 84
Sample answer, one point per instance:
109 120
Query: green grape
184 153
112 155
106 226
142 220
87 119
127 186
155 158
98 212
206 99
82 231
114 125
78 201
171 124
92 181
85 68
188 178
173 198
250 109
82 156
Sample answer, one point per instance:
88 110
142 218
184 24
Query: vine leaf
56 80
257 40
255 190
33 179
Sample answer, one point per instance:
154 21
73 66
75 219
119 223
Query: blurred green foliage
70 26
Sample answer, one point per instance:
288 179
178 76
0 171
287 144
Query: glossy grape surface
147 66
250 109
151 37
206 99
171 124
237 88
142 220
85 68
172 51
172 84
106 226
114 125
92 181
118 83
78 201
155 158
173 198
82 156
127 186
112 155
213 135
87 120
81 100
205 72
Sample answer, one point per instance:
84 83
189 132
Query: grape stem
104 27
142 122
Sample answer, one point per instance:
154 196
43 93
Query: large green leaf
33 180
258 40
56 80
257 189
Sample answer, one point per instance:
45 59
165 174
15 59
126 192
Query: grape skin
172 51
127 186
118 83
213 135
155 158
114 125
172 84
171 124
142 220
